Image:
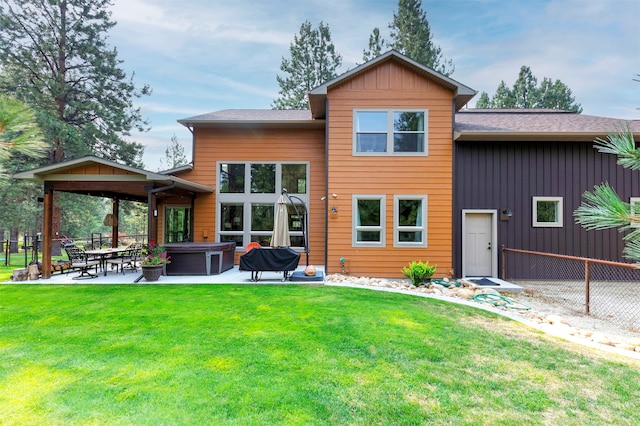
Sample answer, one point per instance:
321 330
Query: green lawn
243 355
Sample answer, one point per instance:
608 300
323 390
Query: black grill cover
270 259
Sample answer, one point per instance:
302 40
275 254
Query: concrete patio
232 276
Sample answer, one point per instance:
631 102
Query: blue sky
207 55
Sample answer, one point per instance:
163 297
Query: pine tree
376 45
19 132
483 100
55 58
603 208
174 155
411 36
526 93
313 61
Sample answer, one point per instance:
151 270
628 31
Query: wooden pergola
102 178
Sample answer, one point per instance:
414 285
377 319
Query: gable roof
113 172
535 124
318 96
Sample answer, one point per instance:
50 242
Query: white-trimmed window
247 193
390 132
635 211
369 220
547 212
410 221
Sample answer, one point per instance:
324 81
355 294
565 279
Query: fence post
587 279
504 263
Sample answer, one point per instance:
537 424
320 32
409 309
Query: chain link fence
603 289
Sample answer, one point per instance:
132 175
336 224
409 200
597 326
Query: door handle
489 247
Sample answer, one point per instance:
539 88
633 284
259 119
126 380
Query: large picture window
390 132
247 193
368 220
410 221
547 212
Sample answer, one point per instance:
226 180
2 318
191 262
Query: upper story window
390 132
547 212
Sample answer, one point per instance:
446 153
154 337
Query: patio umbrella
280 237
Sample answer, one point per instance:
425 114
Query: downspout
193 144
150 211
326 186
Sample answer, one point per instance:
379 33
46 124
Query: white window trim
390 133
632 202
381 228
556 224
247 198
397 228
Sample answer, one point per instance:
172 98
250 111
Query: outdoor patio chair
79 260
129 258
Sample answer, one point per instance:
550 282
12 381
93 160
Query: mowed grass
243 355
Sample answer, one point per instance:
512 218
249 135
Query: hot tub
200 258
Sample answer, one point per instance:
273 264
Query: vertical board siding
259 145
499 175
390 86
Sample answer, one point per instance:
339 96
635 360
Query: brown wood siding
260 145
389 86
499 175
98 169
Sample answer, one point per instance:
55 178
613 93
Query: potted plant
155 257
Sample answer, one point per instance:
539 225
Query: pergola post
115 231
47 232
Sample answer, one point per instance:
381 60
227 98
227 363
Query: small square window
547 212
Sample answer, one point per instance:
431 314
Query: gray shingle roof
499 123
470 124
250 115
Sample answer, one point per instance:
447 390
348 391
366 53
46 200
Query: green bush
417 272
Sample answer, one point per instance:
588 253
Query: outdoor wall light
334 210
506 214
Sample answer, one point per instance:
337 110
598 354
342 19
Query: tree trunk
13 245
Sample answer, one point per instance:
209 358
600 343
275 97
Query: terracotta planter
152 272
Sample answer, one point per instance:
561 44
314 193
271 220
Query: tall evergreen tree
526 93
313 61
174 155
411 36
376 45
483 100
56 59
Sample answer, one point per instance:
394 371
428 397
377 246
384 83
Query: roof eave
293 124
470 136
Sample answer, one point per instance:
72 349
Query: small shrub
417 272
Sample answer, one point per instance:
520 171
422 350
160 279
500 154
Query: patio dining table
104 254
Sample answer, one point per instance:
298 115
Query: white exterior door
479 251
